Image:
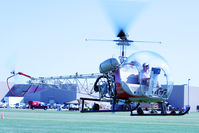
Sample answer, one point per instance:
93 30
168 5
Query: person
144 75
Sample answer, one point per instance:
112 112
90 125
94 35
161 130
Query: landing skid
163 112
159 114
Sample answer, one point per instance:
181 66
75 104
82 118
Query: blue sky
47 38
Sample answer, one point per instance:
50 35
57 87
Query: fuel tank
108 65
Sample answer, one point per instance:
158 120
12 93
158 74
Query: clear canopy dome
154 82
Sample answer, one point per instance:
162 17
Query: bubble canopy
159 84
151 58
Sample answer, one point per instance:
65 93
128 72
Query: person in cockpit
144 75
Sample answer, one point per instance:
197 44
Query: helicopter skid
83 110
159 114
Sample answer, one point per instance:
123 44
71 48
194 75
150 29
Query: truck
37 105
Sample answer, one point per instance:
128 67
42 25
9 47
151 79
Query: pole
188 91
122 50
2 116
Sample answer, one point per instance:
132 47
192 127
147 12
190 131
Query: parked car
65 106
52 105
20 106
37 105
73 107
70 106
3 105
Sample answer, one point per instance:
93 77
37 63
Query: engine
108 65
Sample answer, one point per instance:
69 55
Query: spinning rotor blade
11 62
102 40
122 13
148 42
127 41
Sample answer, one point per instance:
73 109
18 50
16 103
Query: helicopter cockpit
159 84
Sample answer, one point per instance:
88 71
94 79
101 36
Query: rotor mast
122 42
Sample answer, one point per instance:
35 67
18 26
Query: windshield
149 72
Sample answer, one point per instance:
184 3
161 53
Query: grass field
40 121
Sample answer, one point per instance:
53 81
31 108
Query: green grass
40 121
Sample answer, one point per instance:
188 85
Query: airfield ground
40 121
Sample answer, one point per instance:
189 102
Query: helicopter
121 80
